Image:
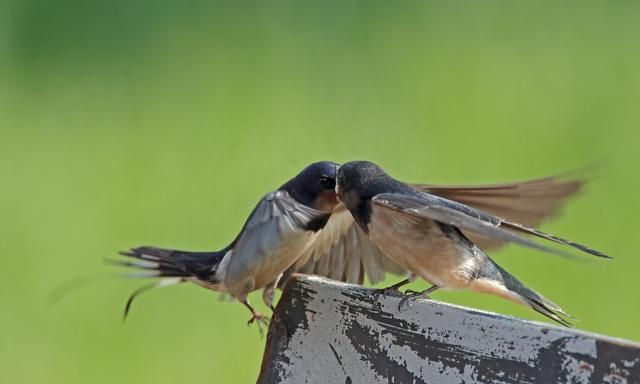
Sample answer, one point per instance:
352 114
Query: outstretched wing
528 203
341 251
429 207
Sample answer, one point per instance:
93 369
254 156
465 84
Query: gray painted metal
330 332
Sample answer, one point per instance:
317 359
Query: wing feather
341 251
528 202
275 220
430 207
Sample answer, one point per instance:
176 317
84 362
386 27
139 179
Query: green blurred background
162 122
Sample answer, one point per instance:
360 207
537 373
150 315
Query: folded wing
470 220
276 221
528 203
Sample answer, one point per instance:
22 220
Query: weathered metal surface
332 332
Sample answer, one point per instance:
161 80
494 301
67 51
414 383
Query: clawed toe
384 292
410 298
391 290
260 319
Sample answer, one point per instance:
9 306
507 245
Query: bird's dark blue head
359 181
315 186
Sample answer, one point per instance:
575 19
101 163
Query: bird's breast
248 272
420 246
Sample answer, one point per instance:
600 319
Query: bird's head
315 186
360 180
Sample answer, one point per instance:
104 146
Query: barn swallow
279 228
342 251
431 237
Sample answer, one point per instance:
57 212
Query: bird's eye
327 182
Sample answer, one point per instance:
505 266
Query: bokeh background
134 122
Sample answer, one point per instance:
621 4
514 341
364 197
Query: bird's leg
269 292
256 317
389 290
267 296
411 296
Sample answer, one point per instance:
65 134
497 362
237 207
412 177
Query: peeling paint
335 333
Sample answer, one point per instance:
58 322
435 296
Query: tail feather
548 309
517 291
173 263
151 269
145 288
172 266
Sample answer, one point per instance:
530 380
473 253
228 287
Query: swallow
342 251
278 230
434 238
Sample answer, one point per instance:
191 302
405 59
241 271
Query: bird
437 239
342 251
339 249
280 227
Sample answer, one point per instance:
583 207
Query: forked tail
159 262
172 266
493 279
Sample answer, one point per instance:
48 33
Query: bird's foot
384 292
388 291
260 319
410 297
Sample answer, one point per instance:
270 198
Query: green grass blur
156 122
